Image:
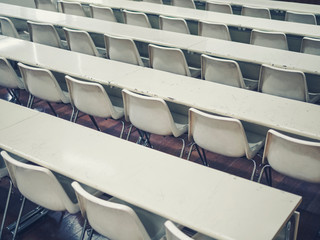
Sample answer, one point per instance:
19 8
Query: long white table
264 110
228 207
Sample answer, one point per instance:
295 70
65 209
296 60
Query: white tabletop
262 109
228 207
228 19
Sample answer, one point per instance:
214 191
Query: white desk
230 50
262 109
228 207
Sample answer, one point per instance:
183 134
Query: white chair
116 219
308 18
257 12
8 29
174 233
269 39
310 46
173 24
45 5
136 18
123 50
152 115
222 135
92 99
214 30
170 60
72 8
10 80
42 84
153 1
184 3
80 41
103 13
219 7
226 72
40 186
44 33
285 83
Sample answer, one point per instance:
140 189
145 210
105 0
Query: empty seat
8 29
269 39
80 41
251 11
170 60
44 33
298 17
310 46
214 30
222 135
92 99
42 84
226 72
116 219
136 18
184 3
72 8
45 5
219 7
173 24
285 83
152 115
10 80
123 50
103 13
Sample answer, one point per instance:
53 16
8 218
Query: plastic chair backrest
283 83
293 157
269 39
90 98
44 33
174 233
214 30
153 1
45 5
173 24
8 77
80 41
168 59
307 18
250 11
112 220
39 185
7 28
103 13
123 50
41 83
72 8
184 3
149 114
221 135
136 18
222 71
219 7
310 46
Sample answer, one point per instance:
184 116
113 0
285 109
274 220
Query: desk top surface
266 110
230 50
166 185
196 15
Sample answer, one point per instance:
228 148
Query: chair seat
66 97
251 84
314 97
195 72
255 141
118 106
181 123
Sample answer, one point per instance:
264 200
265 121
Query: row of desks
228 209
264 110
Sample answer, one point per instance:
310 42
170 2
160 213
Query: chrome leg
52 109
122 130
19 218
183 147
6 209
83 229
190 151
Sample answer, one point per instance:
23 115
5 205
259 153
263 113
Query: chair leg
30 101
129 132
90 234
83 229
14 96
267 171
254 169
203 156
190 151
122 129
52 109
183 147
75 116
19 218
6 208
95 123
